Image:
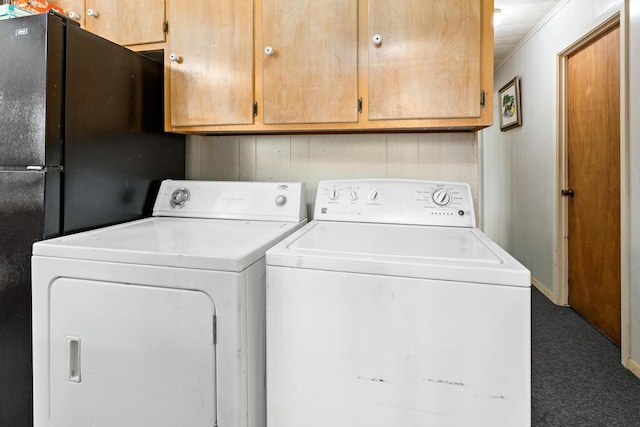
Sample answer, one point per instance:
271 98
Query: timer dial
179 198
441 197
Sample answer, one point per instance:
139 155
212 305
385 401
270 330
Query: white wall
311 158
519 165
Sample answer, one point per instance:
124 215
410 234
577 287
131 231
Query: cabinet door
311 75
126 22
74 9
210 57
427 62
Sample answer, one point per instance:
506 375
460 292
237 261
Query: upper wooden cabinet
209 58
309 61
329 65
425 59
122 21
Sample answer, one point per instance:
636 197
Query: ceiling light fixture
497 17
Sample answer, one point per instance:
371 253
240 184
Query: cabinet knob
73 15
174 57
268 51
92 12
376 40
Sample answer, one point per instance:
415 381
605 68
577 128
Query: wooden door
593 101
126 22
311 74
210 57
427 61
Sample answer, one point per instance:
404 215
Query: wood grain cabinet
329 65
309 61
425 62
209 63
125 22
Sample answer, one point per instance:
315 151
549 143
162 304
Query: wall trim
634 367
544 290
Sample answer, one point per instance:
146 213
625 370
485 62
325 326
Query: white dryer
392 309
160 321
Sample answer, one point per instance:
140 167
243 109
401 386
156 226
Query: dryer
160 321
391 308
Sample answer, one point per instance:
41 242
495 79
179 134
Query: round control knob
374 195
268 51
376 40
179 198
353 196
441 197
281 200
333 194
92 12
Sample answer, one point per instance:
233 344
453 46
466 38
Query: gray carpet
577 378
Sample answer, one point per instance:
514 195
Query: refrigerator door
31 90
116 152
22 222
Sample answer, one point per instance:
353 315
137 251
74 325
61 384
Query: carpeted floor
577 378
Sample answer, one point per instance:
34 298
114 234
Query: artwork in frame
510 110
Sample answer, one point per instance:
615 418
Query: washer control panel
396 201
284 201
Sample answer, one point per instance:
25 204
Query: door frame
615 16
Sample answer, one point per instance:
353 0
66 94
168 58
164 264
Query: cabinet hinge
215 330
482 96
360 105
255 108
165 27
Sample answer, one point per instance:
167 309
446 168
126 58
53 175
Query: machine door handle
73 354
568 192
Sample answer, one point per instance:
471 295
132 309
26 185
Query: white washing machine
160 322
392 309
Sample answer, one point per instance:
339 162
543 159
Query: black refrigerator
81 146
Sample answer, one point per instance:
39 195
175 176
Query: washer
391 308
160 321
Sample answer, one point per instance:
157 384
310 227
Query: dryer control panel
396 201
265 201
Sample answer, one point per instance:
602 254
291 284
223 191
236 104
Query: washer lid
426 252
226 245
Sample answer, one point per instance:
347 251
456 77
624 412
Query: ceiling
519 17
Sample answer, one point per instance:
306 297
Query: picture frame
510 105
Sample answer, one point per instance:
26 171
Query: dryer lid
426 252
210 244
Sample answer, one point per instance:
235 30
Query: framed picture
510 110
